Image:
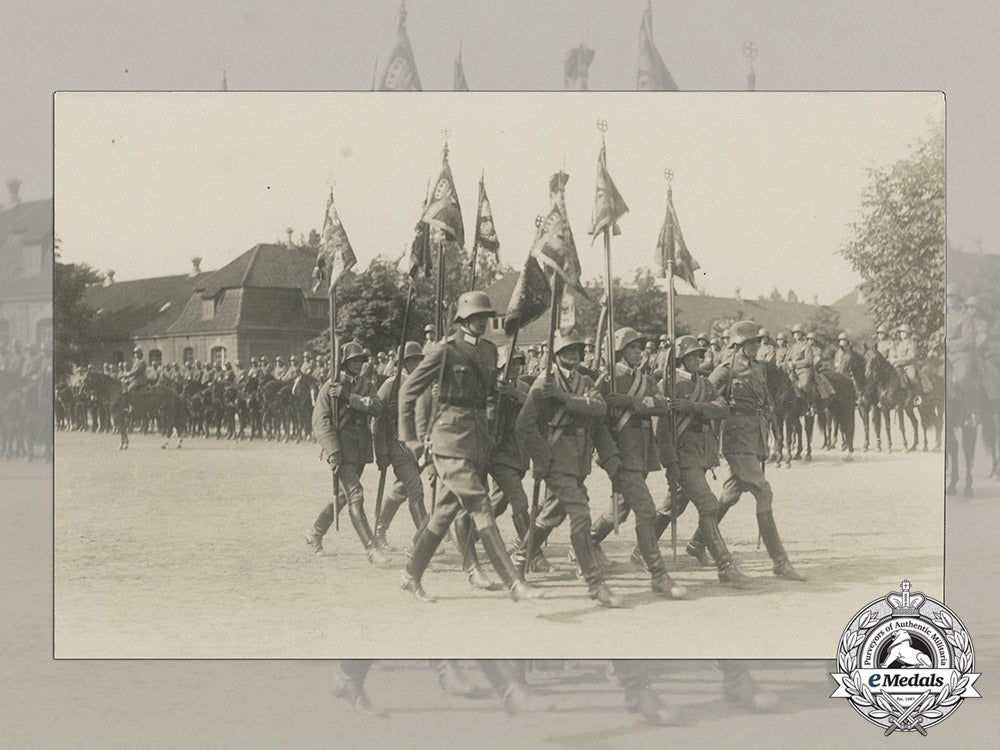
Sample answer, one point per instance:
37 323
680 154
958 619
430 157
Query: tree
641 304
898 246
792 296
71 317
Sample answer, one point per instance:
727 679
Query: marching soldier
347 446
694 451
767 351
633 405
744 443
711 353
559 424
308 368
464 368
590 355
662 357
136 377
389 450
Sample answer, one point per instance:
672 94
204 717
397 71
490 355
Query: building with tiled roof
26 257
702 314
259 304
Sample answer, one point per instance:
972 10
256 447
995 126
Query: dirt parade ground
199 552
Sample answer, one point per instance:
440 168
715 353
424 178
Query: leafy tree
71 317
641 304
792 296
898 246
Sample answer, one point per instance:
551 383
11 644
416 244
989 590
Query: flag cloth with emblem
530 298
653 74
609 206
443 211
554 247
576 66
486 233
335 256
418 258
670 246
400 72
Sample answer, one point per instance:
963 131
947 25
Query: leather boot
353 691
517 697
521 555
389 509
661 522
663 584
601 528
603 595
423 550
521 520
769 533
418 512
739 687
504 566
697 546
465 533
450 678
314 536
729 573
375 555
590 569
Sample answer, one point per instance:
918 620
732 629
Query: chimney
289 231
14 188
195 265
109 277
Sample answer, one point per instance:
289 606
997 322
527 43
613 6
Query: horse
961 406
931 408
838 413
159 400
787 408
302 397
892 393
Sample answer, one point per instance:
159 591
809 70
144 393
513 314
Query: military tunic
389 449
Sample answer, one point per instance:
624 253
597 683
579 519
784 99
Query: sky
765 186
333 44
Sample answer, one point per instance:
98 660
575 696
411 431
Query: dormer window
207 309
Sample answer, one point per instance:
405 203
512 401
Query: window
497 323
188 355
218 355
207 309
155 357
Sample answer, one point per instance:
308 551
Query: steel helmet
503 353
412 349
764 333
564 340
797 328
138 351
744 330
843 337
625 336
781 337
473 303
882 329
905 327
702 337
811 336
430 328
664 337
294 359
351 350
589 341
686 345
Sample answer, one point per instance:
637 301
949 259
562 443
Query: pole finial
668 174
538 221
602 125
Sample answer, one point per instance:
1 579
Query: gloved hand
551 390
673 472
612 466
684 406
382 461
333 459
618 401
336 389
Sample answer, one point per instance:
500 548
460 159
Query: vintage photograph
569 334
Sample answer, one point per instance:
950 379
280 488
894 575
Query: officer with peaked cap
743 383
691 444
464 368
390 450
561 421
341 425
632 406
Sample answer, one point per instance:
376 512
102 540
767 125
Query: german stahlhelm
743 331
624 337
564 340
412 349
687 345
351 350
504 353
797 328
473 303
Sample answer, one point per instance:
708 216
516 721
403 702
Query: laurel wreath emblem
880 706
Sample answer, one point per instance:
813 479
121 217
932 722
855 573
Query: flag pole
671 380
556 298
335 378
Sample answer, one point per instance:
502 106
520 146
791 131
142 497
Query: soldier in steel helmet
742 381
767 351
781 350
904 358
883 341
135 378
848 362
711 353
390 450
689 448
962 344
430 334
663 357
464 368
632 406
340 423
560 423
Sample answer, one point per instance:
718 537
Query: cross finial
668 174
750 51
602 125
906 593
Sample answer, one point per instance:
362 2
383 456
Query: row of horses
281 410
25 404
252 410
